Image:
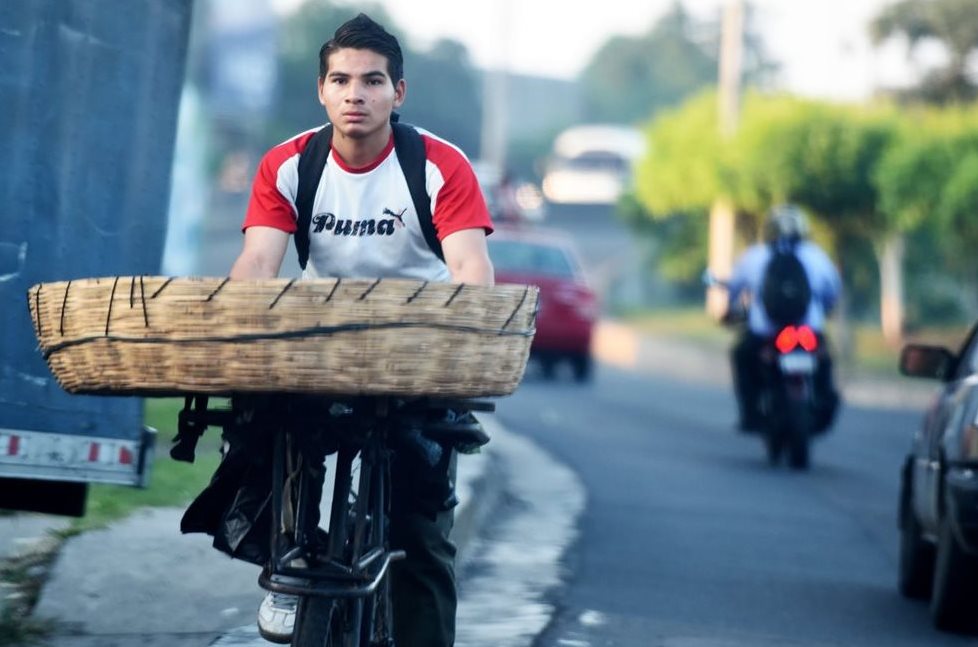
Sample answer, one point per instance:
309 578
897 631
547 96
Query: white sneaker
276 617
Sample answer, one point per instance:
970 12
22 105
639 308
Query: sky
823 45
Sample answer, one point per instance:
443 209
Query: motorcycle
788 401
792 408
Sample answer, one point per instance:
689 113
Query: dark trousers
422 502
423 584
746 366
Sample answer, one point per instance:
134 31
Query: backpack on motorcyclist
785 289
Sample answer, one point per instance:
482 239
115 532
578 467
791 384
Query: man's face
358 93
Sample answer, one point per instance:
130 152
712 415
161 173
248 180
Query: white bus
592 164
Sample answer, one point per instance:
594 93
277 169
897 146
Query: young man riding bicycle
362 185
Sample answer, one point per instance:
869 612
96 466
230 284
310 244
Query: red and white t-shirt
363 220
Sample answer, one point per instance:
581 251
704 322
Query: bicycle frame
344 569
356 557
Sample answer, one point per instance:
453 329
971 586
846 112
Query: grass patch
870 351
172 483
686 323
22 577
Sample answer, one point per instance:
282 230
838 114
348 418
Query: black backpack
409 148
785 291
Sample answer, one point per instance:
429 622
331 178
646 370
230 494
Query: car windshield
531 258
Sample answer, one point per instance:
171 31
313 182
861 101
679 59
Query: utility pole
494 105
495 96
722 216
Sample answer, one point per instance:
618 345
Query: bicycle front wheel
377 628
318 623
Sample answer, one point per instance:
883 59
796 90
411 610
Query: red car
568 306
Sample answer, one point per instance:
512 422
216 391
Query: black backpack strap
411 154
312 161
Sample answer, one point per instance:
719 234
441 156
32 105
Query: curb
480 484
507 595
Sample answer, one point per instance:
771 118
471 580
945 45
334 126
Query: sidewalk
140 582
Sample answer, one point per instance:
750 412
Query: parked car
938 517
568 305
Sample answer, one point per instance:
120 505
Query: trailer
91 94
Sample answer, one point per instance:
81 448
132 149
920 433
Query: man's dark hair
363 33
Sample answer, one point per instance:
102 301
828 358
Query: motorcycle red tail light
791 338
787 339
807 338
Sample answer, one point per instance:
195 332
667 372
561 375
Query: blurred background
681 122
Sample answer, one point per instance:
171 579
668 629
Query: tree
957 209
302 33
954 23
825 157
444 94
816 154
682 173
631 78
958 213
924 181
912 175
675 184
675 244
766 154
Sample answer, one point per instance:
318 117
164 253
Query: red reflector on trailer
93 453
125 456
13 447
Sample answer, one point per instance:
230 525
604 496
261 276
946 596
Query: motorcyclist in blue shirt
786 225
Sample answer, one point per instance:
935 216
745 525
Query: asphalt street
690 538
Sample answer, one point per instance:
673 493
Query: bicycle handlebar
195 417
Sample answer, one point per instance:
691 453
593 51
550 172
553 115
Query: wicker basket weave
148 335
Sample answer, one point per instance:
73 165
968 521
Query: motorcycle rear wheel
774 445
801 424
798 455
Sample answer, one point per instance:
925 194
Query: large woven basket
148 335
